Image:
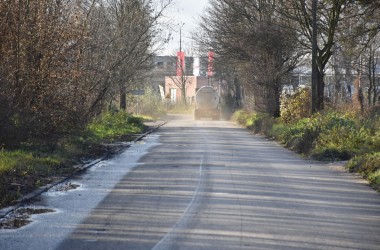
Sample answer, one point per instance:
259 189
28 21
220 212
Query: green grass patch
145 118
114 126
15 160
21 171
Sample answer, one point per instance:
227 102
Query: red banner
210 68
180 63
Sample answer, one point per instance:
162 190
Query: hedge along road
207 185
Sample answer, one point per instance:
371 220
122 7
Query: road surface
206 185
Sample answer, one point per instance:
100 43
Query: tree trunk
320 91
238 94
183 90
375 92
358 95
314 55
372 79
123 98
277 94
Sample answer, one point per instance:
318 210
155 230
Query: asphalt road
211 185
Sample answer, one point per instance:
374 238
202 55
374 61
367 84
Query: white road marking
167 240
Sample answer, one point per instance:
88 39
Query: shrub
372 122
277 131
295 107
257 122
326 136
330 154
240 116
265 123
253 122
368 165
151 103
374 179
301 136
342 136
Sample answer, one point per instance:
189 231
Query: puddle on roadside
64 187
31 211
21 217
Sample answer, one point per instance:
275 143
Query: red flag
210 68
180 63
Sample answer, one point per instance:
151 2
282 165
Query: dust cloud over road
207 185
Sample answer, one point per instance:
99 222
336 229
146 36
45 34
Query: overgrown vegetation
114 126
150 103
30 167
368 165
22 171
63 62
326 136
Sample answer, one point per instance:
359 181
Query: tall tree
252 34
331 17
63 60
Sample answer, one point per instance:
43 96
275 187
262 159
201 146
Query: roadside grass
327 136
22 171
29 167
114 126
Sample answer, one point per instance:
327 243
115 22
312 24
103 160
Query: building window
173 95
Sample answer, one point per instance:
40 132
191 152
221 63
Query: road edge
80 169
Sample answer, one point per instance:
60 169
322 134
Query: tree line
64 61
260 42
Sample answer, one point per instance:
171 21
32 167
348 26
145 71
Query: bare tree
183 73
41 84
63 60
259 42
332 20
373 62
128 33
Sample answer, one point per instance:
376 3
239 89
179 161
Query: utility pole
314 66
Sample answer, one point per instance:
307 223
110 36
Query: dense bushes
63 62
344 135
151 103
295 107
257 122
330 135
301 135
368 165
324 136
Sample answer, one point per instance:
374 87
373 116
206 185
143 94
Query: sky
186 12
